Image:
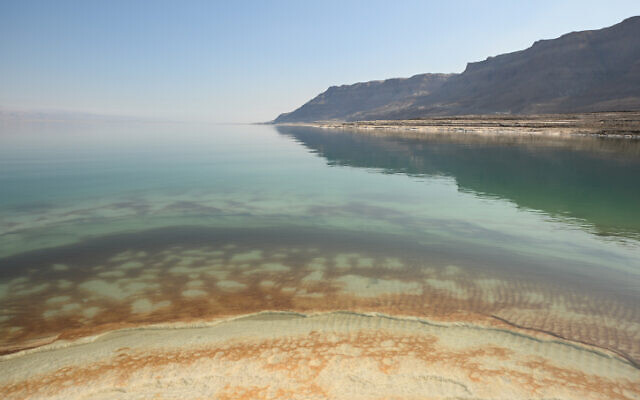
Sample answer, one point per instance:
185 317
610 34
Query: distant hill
596 70
352 102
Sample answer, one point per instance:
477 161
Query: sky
248 61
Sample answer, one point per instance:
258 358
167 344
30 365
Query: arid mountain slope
351 102
596 70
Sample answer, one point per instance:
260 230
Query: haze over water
114 224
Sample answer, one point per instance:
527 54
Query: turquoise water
561 215
62 181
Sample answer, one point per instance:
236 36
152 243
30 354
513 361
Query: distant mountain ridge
596 70
357 100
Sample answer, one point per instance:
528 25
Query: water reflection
589 181
219 222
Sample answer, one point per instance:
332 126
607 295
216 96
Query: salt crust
334 355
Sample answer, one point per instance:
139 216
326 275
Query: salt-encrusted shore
606 124
334 355
79 290
231 316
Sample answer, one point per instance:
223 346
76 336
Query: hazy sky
243 61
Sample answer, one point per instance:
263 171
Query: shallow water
105 225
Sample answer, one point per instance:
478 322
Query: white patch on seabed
193 293
230 285
364 286
253 255
58 299
315 276
91 312
60 267
449 286
146 306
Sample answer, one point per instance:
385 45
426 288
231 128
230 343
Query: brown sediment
325 356
193 276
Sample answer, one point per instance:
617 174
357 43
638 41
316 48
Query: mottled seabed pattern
171 261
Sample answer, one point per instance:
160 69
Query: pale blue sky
243 61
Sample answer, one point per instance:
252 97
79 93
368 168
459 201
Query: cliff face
584 71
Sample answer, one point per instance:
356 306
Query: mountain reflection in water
589 181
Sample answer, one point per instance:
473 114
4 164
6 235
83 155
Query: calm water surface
104 224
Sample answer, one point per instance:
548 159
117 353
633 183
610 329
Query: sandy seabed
331 355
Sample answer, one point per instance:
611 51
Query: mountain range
587 71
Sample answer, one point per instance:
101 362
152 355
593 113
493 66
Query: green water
559 211
61 182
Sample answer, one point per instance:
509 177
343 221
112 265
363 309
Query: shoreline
479 322
325 355
620 125
194 285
